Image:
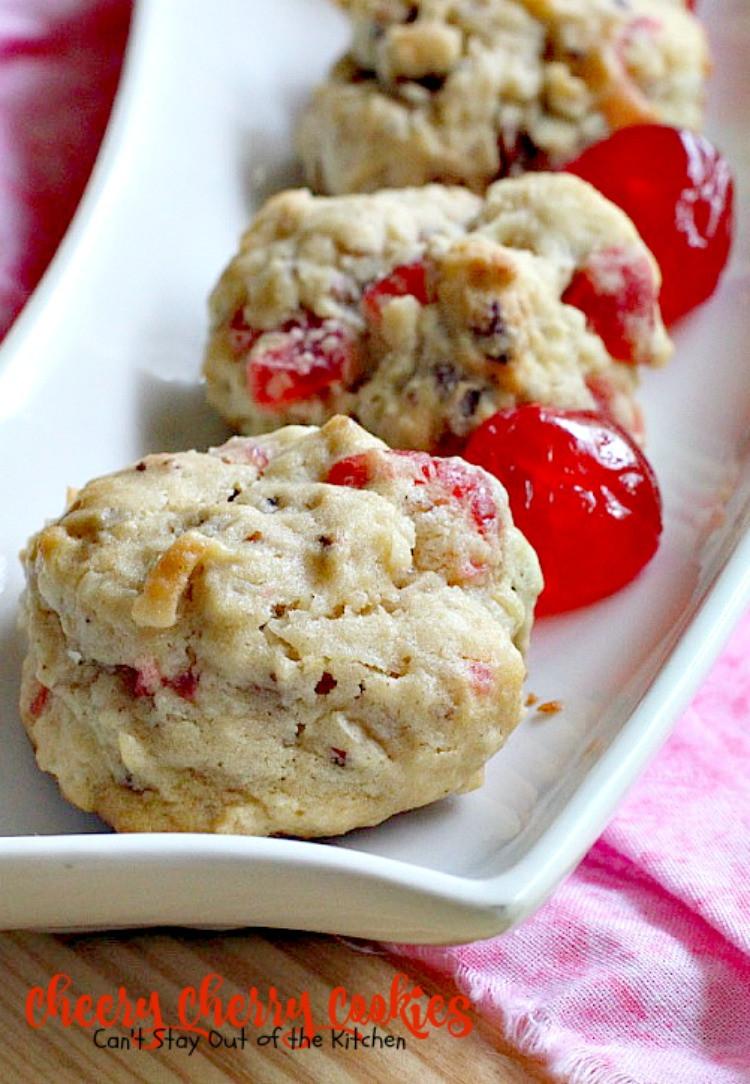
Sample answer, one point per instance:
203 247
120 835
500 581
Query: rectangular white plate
103 366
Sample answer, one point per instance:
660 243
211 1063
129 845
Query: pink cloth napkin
637 970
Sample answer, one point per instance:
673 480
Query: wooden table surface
167 961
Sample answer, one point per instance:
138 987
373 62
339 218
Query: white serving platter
103 366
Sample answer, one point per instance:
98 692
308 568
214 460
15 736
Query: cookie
421 312
297 634
465 91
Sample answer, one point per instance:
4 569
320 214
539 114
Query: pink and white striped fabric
637 971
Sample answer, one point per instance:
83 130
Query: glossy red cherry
581 491
678 190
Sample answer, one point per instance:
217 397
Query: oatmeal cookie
465 91
421 312
298 634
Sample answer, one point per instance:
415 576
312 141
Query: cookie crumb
549 707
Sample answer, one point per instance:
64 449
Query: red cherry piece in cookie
184 684
244 451
447 480
640 25
145 679
581 491
356 471
678 190
616 291
242 337
408 280
300 360
482 678
39 701
451 479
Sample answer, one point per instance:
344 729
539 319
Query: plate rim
491 903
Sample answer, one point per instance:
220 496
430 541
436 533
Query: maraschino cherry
677 188
582 492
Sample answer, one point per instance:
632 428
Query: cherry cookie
297 634
422 312
464 91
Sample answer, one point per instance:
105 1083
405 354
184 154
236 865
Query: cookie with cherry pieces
300 634
465 91
422 312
